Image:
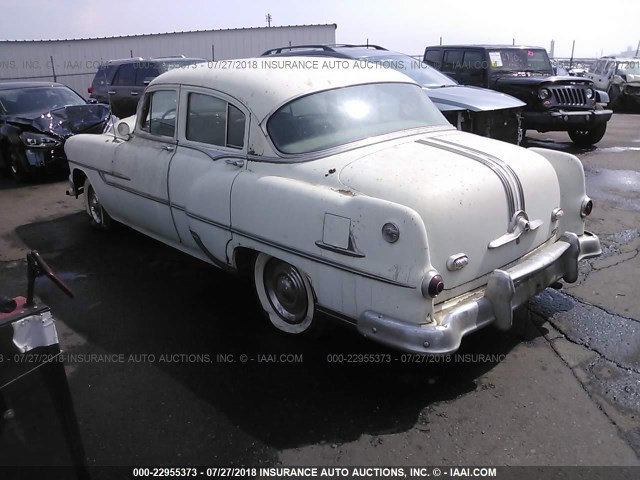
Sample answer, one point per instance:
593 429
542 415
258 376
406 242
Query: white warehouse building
74 62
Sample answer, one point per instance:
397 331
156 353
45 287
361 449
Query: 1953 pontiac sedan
344 193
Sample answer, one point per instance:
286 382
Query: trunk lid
467 189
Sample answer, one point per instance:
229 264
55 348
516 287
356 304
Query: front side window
158 116
145 72
214 121
336 117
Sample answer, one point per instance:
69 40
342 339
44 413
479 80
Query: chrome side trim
264 241
514 202
342 251
218 263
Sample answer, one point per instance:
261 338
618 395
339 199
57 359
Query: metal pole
131 53
53 69
573 46
637 48
213 53
513 42
440 40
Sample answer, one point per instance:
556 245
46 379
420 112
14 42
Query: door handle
111 92
134 93
167 148
235 162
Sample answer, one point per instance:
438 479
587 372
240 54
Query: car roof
264 84
154 59
336 50
486 46
14 85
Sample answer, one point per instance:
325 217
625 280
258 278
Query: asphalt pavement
170 361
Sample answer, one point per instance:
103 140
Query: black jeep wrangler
554 103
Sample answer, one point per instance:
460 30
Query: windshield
37 100
336 117
417 70
520 60
631 67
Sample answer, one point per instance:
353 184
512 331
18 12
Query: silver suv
120 83
620 78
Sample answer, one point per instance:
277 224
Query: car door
452 64
598 74
124 98
211 153
140 167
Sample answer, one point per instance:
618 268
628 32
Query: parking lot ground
170 362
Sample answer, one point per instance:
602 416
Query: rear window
336 117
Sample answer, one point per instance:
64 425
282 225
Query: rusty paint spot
348 193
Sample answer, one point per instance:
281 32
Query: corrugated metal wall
74 62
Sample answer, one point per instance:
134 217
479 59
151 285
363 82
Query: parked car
620 78
120 83
344 193
35 120
554 103
470 109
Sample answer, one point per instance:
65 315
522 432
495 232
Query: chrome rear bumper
505 291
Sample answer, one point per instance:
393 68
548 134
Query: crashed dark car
469 109
554 103
35 120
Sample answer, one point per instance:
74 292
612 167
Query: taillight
586 208
432 285
90 89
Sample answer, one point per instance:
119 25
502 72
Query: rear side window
214 121
104 76
126 75
432 57
452 60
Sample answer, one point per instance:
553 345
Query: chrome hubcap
286 291
94 207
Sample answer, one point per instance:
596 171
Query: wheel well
243 259
78 180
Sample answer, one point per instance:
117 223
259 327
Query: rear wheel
587 138
286 296
100 219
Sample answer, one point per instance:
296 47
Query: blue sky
404 25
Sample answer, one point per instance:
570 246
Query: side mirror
123 130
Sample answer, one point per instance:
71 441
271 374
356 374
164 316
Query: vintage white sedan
345 194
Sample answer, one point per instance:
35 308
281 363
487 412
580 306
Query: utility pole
268 17
571 59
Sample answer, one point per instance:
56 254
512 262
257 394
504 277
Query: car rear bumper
505 291
563 120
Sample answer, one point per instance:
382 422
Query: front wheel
587 138
100 219
17 164
285 295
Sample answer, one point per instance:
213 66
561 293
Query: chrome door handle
111 92
167 148
134 93
235 162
